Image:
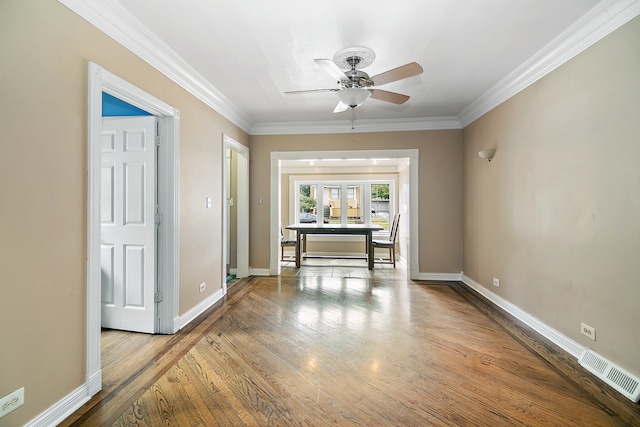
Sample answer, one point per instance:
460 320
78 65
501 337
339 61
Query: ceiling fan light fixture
353 96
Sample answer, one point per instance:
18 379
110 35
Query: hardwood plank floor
317 349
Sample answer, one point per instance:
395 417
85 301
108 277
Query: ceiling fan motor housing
357 79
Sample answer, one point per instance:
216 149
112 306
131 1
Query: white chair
390 244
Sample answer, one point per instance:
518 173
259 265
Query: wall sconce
487 154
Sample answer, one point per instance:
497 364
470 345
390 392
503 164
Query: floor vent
611 374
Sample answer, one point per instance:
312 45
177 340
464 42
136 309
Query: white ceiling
245 54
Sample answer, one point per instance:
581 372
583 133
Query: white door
128 230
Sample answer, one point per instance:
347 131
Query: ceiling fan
354 85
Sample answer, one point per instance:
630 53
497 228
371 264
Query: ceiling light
353 96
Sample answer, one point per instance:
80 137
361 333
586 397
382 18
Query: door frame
413 247
167 258
242 208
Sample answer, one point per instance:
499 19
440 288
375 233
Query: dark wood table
337 229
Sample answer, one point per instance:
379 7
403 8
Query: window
365 202
307 203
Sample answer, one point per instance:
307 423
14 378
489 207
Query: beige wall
45 49
556 214
440 188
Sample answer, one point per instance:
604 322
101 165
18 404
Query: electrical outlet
496 282
588 331
203 286
11 402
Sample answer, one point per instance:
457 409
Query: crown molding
359 126
603 19
116 22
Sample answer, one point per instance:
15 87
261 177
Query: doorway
235 223
408 203
167 117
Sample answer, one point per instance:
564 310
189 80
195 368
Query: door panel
128 229
107 263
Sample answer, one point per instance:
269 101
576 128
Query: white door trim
100 80
413 258
242 208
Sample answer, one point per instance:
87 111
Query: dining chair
389 243
285 243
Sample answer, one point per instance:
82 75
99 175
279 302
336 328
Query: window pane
307 212
354 204
380 206
333 200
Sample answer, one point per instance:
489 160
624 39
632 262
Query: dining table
304 229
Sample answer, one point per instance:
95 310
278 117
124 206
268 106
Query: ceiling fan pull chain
353 117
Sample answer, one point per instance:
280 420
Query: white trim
413 242
100 80
62 409
603 19
543 329
95 86
260 272
275 214
361 126
446 277
115 21
169 228
203 306
351 170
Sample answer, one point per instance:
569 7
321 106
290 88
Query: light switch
259 200
209 203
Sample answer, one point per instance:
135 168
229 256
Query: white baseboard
450 277
543 329
199 309
259 272
176 324
62 409
94 383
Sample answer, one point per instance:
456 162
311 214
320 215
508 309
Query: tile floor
344 268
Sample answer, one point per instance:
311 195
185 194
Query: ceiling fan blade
385 95
403 72
330 67
311 91
340 107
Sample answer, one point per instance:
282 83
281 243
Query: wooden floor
318 350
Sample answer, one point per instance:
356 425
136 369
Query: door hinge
157 297
158 218
157 140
